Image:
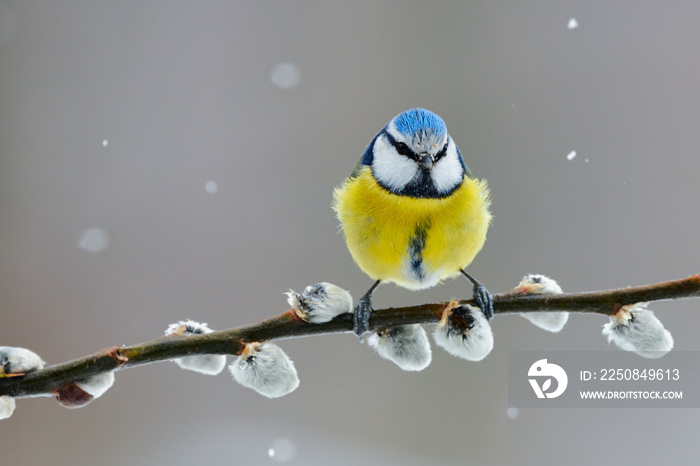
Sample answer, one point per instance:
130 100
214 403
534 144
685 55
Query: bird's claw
361 314
483 299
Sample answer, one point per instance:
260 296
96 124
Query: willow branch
288 325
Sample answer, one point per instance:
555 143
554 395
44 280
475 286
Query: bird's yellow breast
413 242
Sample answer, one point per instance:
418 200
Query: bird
412 213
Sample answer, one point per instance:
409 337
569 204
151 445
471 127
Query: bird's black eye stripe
442 152
401 147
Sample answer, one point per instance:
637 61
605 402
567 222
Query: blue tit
412 212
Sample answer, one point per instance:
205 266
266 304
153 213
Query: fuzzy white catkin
320 303
406 346
97 385
474 344
550 321
7 406
265 368
208 364
14 360
541 284
188 327
635 328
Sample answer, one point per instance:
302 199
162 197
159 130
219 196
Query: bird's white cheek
448 172
391 169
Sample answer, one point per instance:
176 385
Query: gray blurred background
167 160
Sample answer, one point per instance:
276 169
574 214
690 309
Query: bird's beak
425 161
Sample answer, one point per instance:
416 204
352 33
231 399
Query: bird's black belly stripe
415 249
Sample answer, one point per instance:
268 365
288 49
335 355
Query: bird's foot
483 299
481 295
361 315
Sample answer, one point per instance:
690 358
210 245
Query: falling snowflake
282 450
93 240
211 187
285 75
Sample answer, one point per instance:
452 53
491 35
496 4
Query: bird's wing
367 156
467 171
356 171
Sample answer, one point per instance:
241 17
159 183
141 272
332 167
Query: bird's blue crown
419 120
